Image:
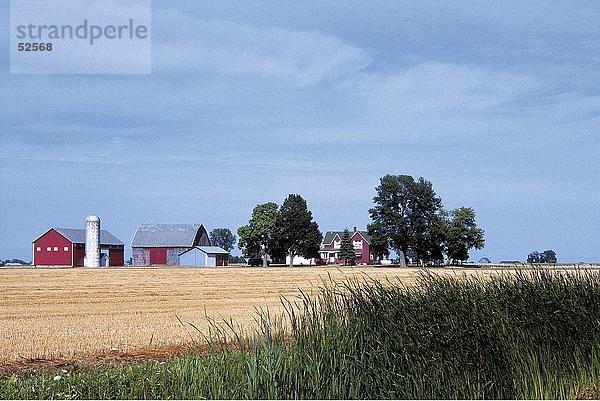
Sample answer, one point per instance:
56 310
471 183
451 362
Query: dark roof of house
208 250
329 235
77 236
166 235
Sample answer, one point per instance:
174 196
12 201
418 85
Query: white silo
92 242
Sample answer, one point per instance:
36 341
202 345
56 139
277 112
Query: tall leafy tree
379 243
257 236
346 248
409 218
533 257
296 232
462 234
549 256
391 213
438 238
222 237
426 222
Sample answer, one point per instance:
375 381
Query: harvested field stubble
533 335
68 313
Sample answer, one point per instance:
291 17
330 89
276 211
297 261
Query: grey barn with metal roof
161 244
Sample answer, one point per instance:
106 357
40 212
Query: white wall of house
300 261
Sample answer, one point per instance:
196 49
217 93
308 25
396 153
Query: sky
498 104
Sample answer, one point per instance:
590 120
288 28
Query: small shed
204 256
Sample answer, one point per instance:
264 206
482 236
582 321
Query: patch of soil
26 366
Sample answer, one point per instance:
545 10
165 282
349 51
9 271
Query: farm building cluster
152 244
66 247
185 245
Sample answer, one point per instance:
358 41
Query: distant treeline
13 261
407 218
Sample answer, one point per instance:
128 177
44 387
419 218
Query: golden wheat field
76 312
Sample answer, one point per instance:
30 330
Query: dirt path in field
25 366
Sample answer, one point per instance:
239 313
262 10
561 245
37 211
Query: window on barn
357 244
48 248
55 249
66 248
39 248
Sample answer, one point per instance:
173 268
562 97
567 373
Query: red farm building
161 244
65 247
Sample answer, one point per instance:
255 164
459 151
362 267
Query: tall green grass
530 335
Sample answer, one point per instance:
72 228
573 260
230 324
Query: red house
65 247
361 241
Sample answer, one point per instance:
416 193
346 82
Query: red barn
65 247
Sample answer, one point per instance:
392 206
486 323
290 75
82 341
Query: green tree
462 234
438 237
296 233
257 236
549 256
346 249
379 244
426 222
391 214
223 237
408 217
533 257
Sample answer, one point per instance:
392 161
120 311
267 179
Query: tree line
14 261
407 218
548 256
281 231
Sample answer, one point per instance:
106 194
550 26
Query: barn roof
77 236
209 250
166 235
329 235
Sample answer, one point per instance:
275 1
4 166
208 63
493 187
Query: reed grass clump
529 335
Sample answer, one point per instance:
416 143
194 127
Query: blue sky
498 105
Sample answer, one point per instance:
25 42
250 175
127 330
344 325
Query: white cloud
302 58
445 87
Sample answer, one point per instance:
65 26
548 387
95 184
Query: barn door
158 256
